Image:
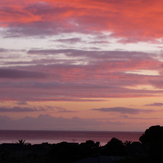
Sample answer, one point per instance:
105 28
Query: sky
81 64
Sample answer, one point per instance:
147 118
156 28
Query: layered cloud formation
80 51
71 74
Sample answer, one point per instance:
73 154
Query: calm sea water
35 137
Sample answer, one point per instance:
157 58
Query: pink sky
81 64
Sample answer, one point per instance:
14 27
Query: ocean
37 137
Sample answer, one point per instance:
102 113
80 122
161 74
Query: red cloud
134 20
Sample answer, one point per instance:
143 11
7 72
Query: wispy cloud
69 40
63 110
21 103
20 109
124 110
79 51
14 74
77 72
47 122
155 104
56 91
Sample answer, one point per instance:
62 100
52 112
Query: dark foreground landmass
149 149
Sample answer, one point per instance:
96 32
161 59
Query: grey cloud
157 83
102 77
133 40
20 109
3 50
11 50
47 122
99 42
21 103
15 74
69 40
123 110
124 116
39 29
97 61
53 85
155 104
63 110
110 60
96 54
57 91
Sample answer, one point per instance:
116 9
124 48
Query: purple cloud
2 50
96 54
69 40
123 110
32 29
58 91
155 104
78 17
20 109
157 83
105 75
47 122
21 103
15 74
63 110
44 9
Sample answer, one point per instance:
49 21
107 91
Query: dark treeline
148 149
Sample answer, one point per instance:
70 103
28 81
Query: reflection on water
35 137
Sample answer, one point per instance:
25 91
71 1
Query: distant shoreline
148 147
40 136
69 130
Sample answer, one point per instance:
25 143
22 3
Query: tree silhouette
127 142
21 142
114 147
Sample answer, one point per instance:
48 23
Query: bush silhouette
114 147
154 137
154 133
